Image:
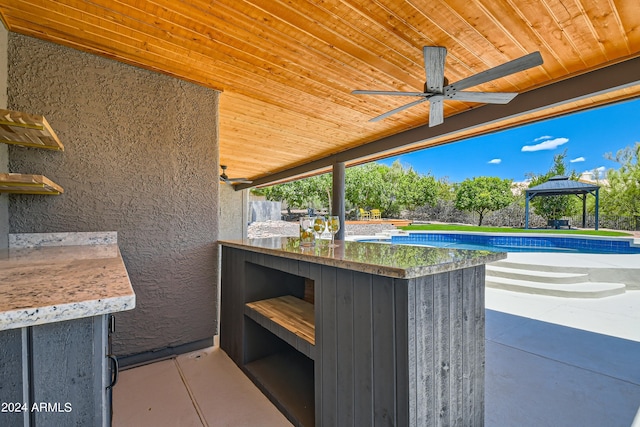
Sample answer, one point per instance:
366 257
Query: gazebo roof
559 185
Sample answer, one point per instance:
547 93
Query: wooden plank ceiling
287 68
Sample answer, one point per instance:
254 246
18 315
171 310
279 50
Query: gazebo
560 186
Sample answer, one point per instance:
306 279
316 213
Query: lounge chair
364 214
375 214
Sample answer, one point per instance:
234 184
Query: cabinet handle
114 370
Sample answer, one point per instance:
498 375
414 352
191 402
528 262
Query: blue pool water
504 243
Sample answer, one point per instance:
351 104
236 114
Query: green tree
363 185
388 188
555 207
622 195
483 194
417 190
312 192
445 191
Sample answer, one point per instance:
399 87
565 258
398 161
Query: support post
337 207
526 211
584 211
597 205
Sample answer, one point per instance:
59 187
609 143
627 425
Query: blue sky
513 153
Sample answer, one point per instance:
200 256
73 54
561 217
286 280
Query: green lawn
451 227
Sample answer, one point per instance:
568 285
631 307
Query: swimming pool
519 242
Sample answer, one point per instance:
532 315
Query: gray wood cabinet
56 374
387 351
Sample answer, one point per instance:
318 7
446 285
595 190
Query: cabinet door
69 373
13 401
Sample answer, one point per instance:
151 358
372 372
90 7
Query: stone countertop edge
37 240
60 288
449 259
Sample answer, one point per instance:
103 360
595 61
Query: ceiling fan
231 181
437 88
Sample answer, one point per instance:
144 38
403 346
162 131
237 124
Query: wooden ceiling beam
613 77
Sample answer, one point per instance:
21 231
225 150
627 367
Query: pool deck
623 269
578 259
562 362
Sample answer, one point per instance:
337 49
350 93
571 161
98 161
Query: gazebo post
584 210
526 210
597 206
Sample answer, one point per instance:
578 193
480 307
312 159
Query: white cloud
542 137
550 144
494 161
577 159
599 173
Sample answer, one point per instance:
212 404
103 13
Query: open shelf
20 183
27 130
275 341
287 379
289 318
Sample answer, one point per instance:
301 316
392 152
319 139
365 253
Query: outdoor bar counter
53 277
57 295
360 334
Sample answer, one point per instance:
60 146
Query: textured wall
233 213
4 148
141 159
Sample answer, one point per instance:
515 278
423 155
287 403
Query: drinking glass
319 226
333 224
306 231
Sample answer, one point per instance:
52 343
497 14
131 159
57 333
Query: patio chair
375 214
364 214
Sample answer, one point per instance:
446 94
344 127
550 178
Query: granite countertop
400 261
54 277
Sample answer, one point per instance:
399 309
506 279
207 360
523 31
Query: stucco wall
141 159
233 213
4 148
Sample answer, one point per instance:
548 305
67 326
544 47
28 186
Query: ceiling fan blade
232 181
385 92
436 112
520 64
485 97
397 110
239 180
434 57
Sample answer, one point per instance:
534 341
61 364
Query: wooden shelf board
27 130
19 183
291 313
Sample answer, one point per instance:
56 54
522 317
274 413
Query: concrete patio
543 373
549 362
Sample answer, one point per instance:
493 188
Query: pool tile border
584 244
